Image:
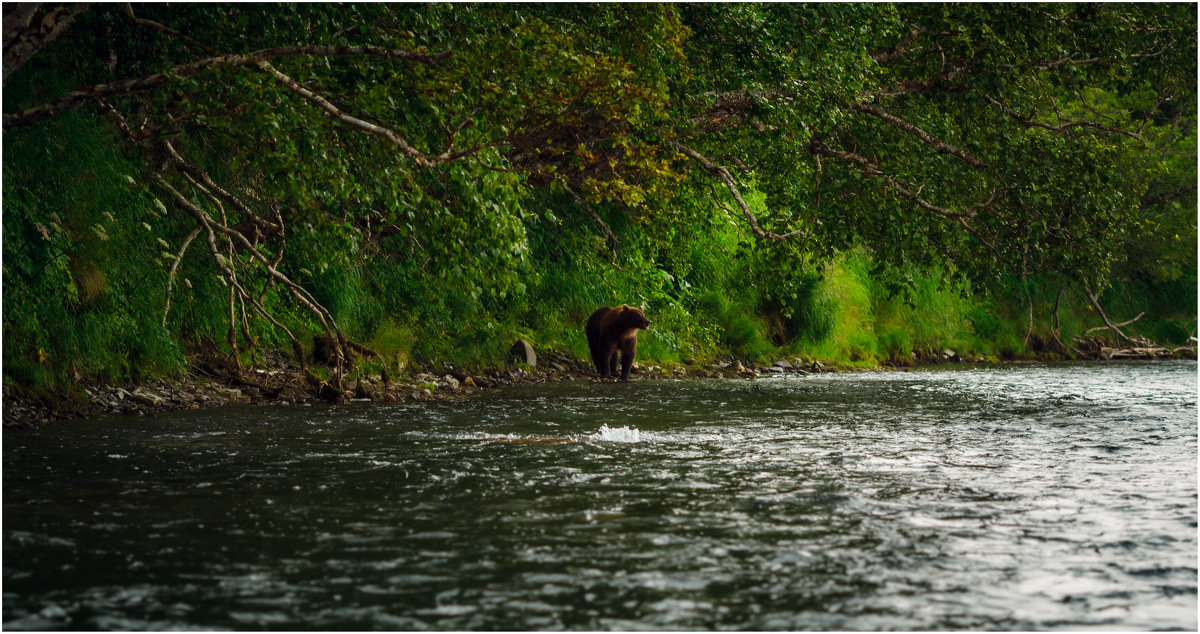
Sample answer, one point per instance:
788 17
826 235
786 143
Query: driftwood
1099 348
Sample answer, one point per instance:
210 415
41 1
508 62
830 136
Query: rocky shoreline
283 383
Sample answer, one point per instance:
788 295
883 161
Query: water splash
617 434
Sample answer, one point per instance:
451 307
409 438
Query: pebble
287 387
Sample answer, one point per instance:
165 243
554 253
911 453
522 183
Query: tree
1032 139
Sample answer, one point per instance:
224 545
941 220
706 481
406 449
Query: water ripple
1035 497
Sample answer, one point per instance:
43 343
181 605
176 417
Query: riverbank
281 382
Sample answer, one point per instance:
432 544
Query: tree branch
363 126
1115 328
22 40
868 167
17 17
731 184
924 136
1063 127
174 266
77 98
128 8
612 239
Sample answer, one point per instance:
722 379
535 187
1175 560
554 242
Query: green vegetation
860 183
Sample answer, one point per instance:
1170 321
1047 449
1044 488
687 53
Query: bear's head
633 318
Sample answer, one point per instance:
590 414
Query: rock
468 382
449 382
782 364
949 355
775 369
145 396
523 351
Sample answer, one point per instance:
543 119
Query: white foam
617 434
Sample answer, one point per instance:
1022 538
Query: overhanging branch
94 93
725 177
422 159
1062 127
23 39
612 238
868 167
924 136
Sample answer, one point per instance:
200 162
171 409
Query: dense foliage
856 180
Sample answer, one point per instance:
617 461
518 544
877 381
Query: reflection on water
998 498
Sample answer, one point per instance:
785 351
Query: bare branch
420 158
265 227
174 266
77 98
128 8
1124 323
1115 328
1081 123
612 238
22 39
731 184
919 133
868 167
17 17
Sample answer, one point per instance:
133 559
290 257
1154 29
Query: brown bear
610 330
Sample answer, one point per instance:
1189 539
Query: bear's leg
612 361
598 360
628 350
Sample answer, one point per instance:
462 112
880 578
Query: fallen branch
1109 326
1115 328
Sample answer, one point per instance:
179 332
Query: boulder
523 351
145 396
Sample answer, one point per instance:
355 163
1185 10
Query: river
1026 497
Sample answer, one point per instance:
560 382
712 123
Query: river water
1028 497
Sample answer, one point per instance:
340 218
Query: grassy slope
85 276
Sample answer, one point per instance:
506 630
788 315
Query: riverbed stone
146 396
523 351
